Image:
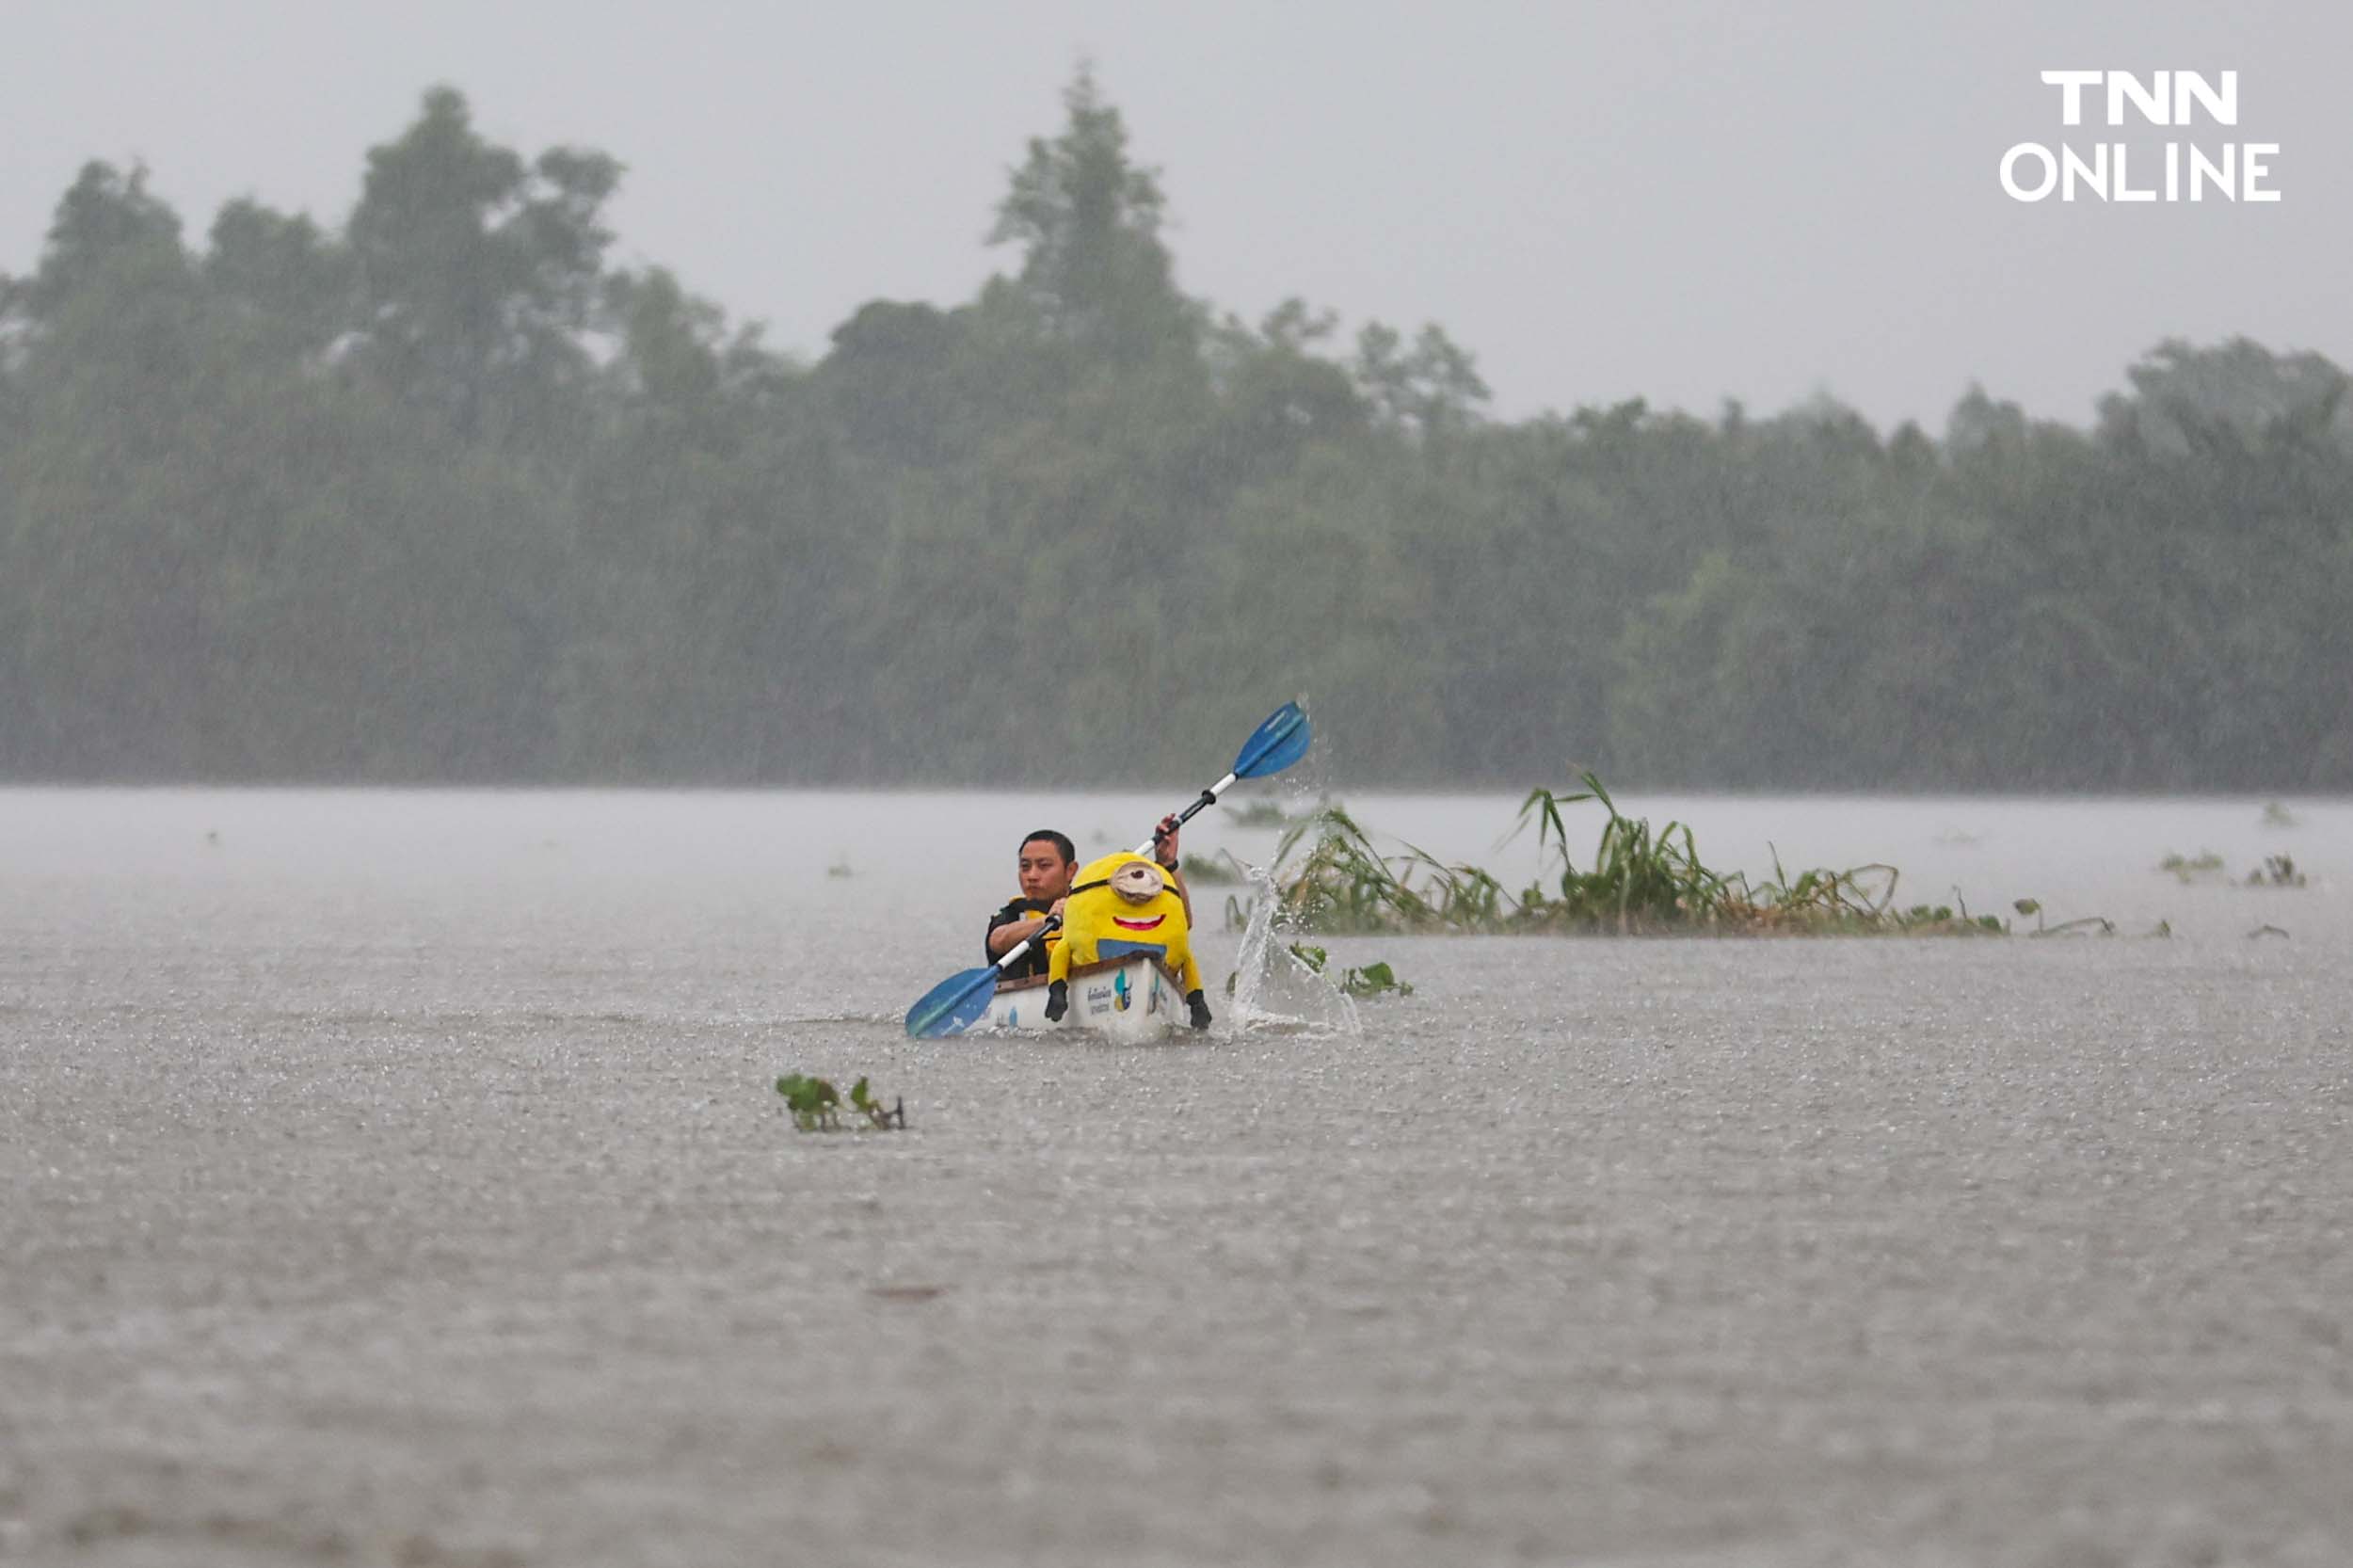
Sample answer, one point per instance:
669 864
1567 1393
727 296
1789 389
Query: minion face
1139 883
1119 904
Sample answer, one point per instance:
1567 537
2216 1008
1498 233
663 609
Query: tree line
447 495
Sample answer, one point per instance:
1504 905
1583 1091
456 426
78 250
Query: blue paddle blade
1276 745
954 1005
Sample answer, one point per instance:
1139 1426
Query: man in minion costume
1122 904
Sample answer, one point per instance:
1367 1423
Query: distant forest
446 496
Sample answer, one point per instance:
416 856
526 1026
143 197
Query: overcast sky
1682 202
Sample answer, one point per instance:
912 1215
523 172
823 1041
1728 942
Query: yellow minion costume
1122 904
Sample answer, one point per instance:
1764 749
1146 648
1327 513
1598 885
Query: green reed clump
2278 871
1638 879
1346 885
2188 867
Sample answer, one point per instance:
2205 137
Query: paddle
959 1001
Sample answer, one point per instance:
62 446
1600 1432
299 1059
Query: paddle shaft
1208 798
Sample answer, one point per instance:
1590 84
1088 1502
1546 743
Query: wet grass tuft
1640 879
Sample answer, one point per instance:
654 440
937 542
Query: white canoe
1127 1001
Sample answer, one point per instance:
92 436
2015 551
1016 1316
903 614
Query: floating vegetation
2265 931
1641 880
840 868
2276 814
2277 871
2084 927
1200 871
816 1104
1374 980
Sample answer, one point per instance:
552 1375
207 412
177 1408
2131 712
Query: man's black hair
1061 842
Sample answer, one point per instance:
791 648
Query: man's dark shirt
1032 962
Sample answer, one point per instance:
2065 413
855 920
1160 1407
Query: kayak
1129 1000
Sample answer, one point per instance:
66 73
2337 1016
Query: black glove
1200 1006
1058 1000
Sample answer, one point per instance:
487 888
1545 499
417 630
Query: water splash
1273 990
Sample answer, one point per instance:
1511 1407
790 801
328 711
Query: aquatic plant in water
1374 980
1640 879
816 1104
1347 885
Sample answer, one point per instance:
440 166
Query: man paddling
961 1000
1048 861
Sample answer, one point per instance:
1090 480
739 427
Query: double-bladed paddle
959 1001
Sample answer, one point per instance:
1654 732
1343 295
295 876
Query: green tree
106 220
1432 390
1276 395
1088 221
294 284
478 271
439 494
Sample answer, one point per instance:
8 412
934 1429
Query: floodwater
395 1178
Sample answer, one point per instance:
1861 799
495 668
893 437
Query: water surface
393 1176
